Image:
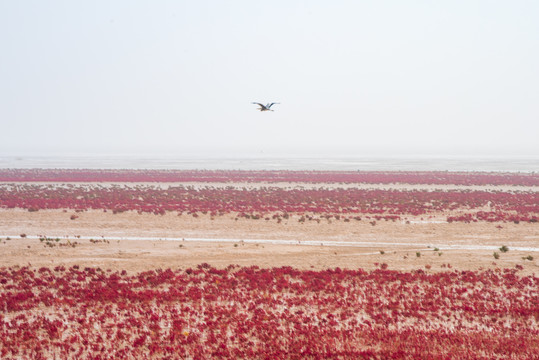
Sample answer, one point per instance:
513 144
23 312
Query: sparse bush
418 254
496 255
529 257
504 249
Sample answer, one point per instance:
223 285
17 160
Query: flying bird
266 107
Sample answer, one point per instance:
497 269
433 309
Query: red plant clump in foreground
247 312
275 202
370 177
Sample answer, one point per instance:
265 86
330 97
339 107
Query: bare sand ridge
295 185
396 243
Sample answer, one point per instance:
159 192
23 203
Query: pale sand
400 242
296 185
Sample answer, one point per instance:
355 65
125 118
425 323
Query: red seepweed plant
270 176
248 312
275 202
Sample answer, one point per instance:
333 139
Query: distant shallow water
509 164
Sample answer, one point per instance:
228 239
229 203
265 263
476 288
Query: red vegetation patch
370 177
276 203
247 312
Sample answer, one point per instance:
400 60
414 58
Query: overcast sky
361 78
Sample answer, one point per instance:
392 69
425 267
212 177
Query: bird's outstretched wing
270 105
262 106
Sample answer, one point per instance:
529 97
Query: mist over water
260 162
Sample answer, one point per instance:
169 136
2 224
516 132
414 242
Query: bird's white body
266 107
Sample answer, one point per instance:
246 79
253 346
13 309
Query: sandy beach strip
288 185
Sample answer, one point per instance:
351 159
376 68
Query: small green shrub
496 255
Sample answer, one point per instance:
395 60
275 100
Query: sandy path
97 223
298 185
464 246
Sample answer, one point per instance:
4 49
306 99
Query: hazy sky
360 78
